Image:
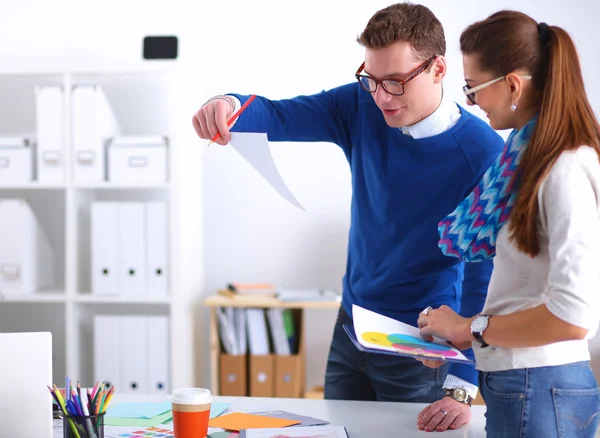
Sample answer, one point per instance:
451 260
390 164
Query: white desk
364 419
361 419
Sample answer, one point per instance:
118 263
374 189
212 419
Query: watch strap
479 338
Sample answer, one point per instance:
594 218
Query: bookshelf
143 99
217 301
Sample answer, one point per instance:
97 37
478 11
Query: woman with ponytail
537 213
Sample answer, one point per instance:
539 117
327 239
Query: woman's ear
515 84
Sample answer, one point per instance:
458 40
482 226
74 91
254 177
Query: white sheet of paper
380 327
299 432
254 148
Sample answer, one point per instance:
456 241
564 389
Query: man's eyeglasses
470 91
395 87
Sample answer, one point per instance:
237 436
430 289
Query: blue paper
217 409
138 410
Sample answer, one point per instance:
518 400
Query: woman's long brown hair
507 41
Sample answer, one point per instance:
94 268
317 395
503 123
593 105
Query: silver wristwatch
478 325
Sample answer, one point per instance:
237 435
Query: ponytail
566 121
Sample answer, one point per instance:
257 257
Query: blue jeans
354 375
560 401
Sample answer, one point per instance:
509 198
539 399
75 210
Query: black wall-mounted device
160 47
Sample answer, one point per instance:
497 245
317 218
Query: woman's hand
445 323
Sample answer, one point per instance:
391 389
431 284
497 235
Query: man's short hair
405 22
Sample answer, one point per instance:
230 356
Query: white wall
278 49
251 234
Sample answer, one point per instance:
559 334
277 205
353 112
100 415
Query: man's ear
438 69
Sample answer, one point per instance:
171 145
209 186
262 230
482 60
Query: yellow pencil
109 398
64 408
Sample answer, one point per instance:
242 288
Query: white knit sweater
565 275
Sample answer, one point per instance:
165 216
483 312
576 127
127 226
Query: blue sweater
402 188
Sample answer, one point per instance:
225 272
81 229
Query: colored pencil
100 388
89 399
109 397
90 428
61 403
97 403
95 389
81 405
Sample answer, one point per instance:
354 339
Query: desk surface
361 419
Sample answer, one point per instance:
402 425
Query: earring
513 107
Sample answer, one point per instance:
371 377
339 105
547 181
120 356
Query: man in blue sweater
414 156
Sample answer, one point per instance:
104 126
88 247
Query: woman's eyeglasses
470 91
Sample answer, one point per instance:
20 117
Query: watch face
460 394
479 324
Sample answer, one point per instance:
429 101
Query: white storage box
26 256
50 135
137 159
94 122
16 160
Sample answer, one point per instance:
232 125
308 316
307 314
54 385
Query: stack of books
249 291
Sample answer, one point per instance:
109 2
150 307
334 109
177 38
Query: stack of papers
145 420
309 295
269 424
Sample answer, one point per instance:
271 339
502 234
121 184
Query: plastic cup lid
191 396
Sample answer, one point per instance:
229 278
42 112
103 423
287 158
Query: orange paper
238 421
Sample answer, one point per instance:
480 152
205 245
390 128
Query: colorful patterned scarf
469 232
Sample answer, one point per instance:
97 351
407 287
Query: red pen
235 116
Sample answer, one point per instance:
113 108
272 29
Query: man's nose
382 96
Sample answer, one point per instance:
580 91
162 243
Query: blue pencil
71 409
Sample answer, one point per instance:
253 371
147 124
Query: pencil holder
86 426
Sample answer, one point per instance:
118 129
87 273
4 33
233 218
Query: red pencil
235 116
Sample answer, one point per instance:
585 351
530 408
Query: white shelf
95 299
39 297
37 185
142 97
122 186
86 69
